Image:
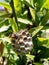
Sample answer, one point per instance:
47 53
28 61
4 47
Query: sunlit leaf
34 16
46 4
37 29
33 13
43 42
24 21
6 39
5 4
4 28
42 39
13 25
30 56
17 5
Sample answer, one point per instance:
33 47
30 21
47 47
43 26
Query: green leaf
13 25
4 22
38 63
22 25
43 42
34 16
45 19
6 39
6 5
45 5
41 39
17 5
4 28
33 13
37 29
26 21
46 27
30 56
32 2
44 52
27 3
21 20
5 15
38 4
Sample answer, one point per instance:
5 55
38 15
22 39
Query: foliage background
22 14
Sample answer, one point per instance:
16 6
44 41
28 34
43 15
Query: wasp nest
22 41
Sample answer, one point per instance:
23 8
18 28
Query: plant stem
13 10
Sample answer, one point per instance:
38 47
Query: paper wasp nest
22 41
